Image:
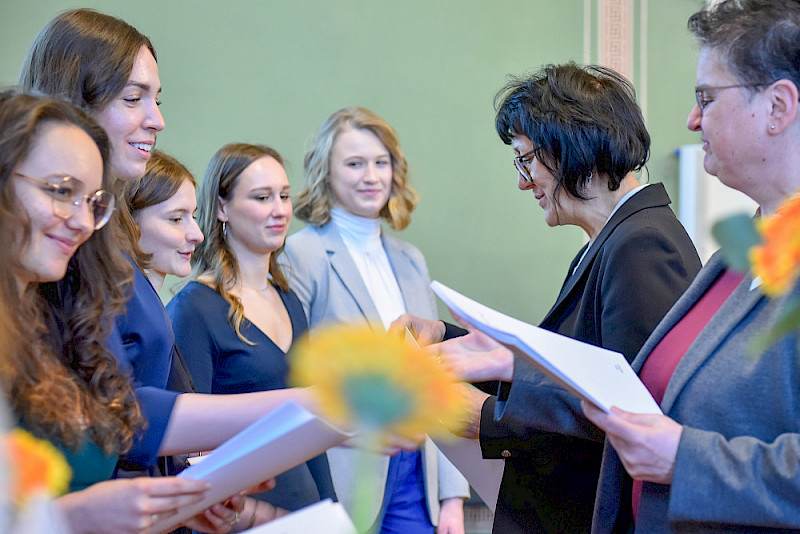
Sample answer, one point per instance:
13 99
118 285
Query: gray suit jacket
328 283
738 462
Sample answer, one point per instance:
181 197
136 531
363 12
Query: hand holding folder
280 440
602 377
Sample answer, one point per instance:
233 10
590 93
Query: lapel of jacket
732 312
650 196
406 272
345 269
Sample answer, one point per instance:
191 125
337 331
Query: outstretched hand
476 358
647 444
425 331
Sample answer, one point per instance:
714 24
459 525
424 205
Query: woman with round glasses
102 64
68 196
579 136
45 144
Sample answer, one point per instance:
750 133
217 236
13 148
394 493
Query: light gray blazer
325 278
738 462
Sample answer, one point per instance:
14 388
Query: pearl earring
771 126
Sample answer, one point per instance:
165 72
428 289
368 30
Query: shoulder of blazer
652 196
312 243
393 244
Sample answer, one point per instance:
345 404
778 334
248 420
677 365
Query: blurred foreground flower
777 260
377 383
770 246
37 468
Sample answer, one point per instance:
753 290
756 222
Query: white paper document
325 516
282 439
484 475
600 376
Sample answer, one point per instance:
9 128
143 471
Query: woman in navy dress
236 319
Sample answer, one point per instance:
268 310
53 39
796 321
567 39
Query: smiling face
132 120
258 210
59 150
360 175
733 125
170 233
543 186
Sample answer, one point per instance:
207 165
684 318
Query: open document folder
325 516
280 440
600 376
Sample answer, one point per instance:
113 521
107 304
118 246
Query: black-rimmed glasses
703 99
67 194
522 165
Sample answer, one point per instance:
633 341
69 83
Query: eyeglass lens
67 196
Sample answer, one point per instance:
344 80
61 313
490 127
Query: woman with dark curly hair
53 168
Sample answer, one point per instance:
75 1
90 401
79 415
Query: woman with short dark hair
578 136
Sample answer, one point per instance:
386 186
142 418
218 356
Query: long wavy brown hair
68 387
86 57
213 257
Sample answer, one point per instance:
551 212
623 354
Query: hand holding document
280 440
599 376
484 475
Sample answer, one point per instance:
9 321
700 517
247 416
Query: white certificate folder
280 440
598 375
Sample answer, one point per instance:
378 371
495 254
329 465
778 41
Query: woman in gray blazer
345 269
725 456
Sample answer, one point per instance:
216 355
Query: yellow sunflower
377 383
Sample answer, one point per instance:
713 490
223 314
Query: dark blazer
631 275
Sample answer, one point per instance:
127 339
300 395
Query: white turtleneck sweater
362 237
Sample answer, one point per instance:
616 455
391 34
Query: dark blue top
143 341
220 362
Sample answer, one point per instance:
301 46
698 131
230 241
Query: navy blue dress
220 362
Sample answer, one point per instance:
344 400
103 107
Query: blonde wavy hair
313 203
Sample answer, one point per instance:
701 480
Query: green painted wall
271 71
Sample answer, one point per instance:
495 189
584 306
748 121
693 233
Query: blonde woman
346 269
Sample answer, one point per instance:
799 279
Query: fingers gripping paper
597 375
282 439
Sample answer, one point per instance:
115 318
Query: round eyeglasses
67 195
522 165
